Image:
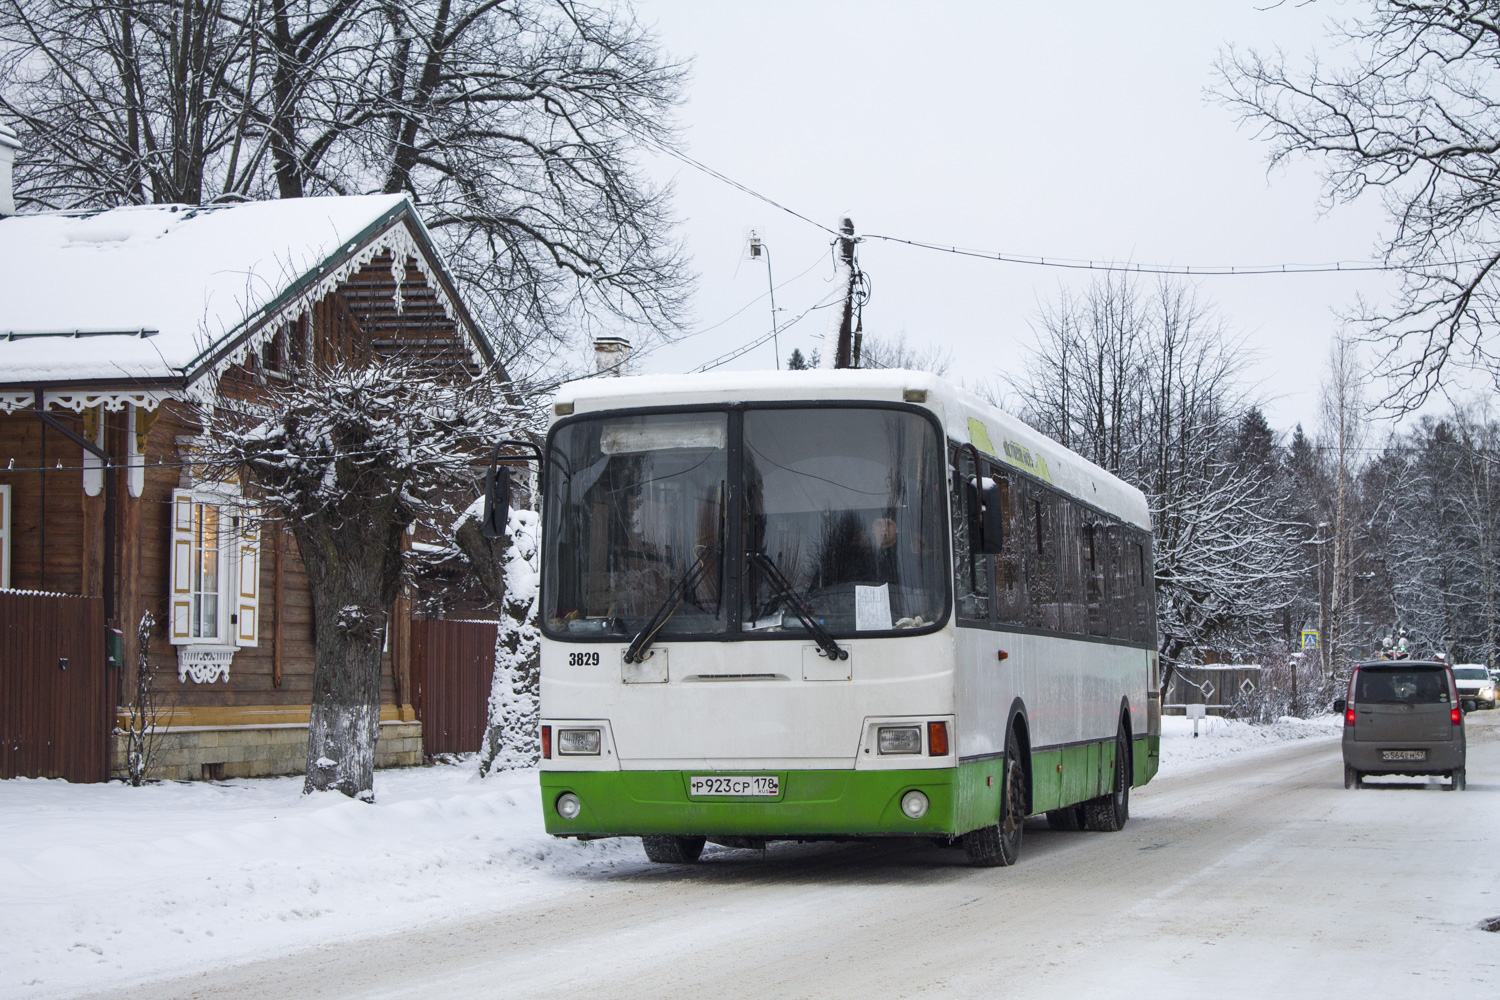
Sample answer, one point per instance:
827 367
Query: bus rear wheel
999 844
669 850
1109 813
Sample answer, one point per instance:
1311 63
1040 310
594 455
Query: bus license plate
734 784
1403 755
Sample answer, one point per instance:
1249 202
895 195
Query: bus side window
1072 568
971 573
1043 570
1145 605
1012 603
1096 573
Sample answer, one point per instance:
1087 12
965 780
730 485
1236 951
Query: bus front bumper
812 803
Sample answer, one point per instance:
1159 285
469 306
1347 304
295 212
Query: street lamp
757 250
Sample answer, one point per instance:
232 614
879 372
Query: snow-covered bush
511 736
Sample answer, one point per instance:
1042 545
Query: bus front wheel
669 850
1000 844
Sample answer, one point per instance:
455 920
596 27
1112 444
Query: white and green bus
835 604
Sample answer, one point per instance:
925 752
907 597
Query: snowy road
1257 876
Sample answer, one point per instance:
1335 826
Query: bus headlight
914 804
899 739
568 806
578 742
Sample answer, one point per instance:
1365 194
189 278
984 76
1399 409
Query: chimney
611 355
8 146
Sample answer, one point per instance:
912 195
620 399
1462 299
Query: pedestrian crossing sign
1309 638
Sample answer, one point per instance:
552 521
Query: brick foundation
200 753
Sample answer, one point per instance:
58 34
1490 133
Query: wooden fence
1216 687
55 713
452 665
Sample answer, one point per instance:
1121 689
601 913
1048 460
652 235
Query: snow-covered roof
965 417
157 297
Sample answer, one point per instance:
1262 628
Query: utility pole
841 354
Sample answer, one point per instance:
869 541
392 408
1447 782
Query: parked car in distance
1476 688
1403 717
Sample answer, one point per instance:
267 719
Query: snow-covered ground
1219 739
103 885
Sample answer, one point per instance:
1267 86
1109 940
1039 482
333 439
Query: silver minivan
1402 717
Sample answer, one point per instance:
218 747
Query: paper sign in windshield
872 608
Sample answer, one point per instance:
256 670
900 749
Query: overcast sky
1078 130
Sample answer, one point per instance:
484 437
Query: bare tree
516 126
351 458
899 352
1151 388
1412 114
1344 419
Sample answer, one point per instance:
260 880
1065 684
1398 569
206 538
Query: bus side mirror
497 486
496 502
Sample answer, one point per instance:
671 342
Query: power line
724 359
647 351
726 179
1205 271
1081 264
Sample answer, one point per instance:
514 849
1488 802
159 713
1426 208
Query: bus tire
999 844
1109 813
1066 818
669 850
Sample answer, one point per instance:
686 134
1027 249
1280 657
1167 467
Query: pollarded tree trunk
353 575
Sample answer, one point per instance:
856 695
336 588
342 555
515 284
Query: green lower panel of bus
809 803
1063 776
832 802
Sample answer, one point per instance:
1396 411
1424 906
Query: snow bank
104 885
1220 738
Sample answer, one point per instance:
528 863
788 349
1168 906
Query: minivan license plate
1403 755
734 784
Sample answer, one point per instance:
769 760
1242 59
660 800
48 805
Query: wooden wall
52 557
254 673
277 673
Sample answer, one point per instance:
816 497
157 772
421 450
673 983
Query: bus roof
965 418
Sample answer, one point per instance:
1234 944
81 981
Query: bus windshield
840 515
636 510
848 506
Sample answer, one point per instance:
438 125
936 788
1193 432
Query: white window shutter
247 584
180 592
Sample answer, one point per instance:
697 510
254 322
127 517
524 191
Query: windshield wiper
666 609
826 642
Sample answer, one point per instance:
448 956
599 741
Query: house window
204 577
215 566
4 537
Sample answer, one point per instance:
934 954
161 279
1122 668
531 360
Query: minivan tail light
1458 717
937 739
546 743
1349 716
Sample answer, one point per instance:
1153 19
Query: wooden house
115 327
